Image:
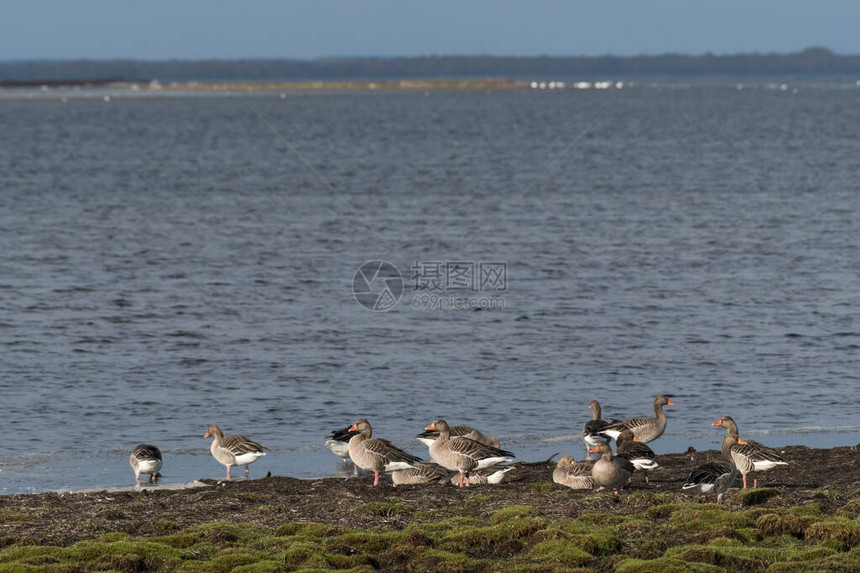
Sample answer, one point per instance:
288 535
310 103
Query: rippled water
170 263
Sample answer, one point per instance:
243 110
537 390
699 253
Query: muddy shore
827 476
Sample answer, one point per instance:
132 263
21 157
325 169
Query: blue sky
192 29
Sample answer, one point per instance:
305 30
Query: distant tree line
812 61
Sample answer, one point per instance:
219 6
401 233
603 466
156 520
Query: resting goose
424 472
145 459
490 476
375 454
712 477
646 429
461 454
571 474
640 455
610 472
591 432
749 456
234 450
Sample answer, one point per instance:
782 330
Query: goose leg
228 472
745 481
375 479
153 478
755 480
247 471
467 481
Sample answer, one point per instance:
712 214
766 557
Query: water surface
168 263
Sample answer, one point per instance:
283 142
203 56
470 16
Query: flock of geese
475 458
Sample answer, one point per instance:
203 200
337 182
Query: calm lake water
169 263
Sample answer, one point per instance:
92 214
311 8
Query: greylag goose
640 455
427 437
646 429
338 443
610 472
424 472
375 454
145 459
749 456
591 432
712 477
461 454
490 476
236 450
571 474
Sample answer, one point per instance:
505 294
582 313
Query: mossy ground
282 524
682 537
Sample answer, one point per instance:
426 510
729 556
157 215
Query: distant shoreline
809 62
147 84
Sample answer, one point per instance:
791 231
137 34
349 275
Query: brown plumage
610 472
375 454
646 429
571 474
461 454
712 477
145 459
424 472
235 450
427 437
749 456
591 432
640 455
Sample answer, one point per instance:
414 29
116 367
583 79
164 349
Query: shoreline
108 470
807 514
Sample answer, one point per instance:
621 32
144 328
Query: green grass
688 537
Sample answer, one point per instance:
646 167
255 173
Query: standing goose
236 450
646 429
145 459
712 477
424 472
749 456
375 454
610 472
338 443
427 437
591 432
640 455
571 474
461 454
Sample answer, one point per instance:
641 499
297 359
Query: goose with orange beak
749 456
375 454
610 472
235 450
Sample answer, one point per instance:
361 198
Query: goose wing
239 445
388 451
145 452
709 473
476 450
